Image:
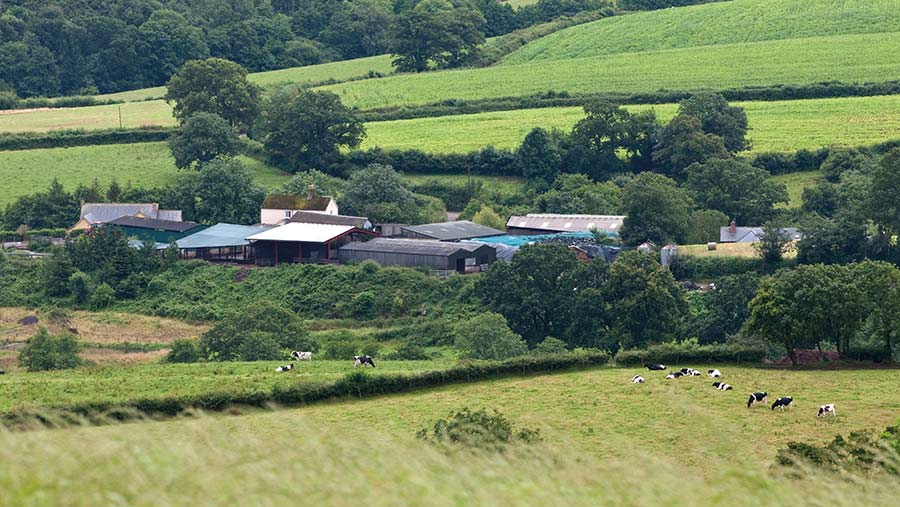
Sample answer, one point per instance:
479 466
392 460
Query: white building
278 209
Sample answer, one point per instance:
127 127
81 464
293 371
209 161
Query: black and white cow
363 361
722 386
655 367
674 375
827 409
784 401
287 367
692 372
714 373
301 356
637 379
757 398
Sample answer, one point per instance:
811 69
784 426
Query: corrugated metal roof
412 246
751 234
104 212
567 223
150 223
296 202
299 232
449 231
311 217
221 235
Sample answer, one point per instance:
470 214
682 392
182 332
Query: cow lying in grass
301 356
722 386
827 409
287 367
785 401
674 375
714 373
363 361
637 379
655 367
757 398
690 372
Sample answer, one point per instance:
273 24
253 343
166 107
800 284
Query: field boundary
357 384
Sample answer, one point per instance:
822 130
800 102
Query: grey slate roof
567 223
750 234
100 213
452 231
311 217
221 235
412 246
150 223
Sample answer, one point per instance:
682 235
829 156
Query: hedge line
811 160
356 384
679 353
9 100
70 138
688 267
552 98
34 233
488 161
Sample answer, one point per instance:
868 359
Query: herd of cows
761 398
307 356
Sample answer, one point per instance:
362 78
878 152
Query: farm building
299 242
312 217
101 213
278 209
160 231
221 242
449 231
539 223
734 234
467 257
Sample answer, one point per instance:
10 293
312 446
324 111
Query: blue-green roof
221 235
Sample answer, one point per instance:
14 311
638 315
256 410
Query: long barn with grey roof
436 255
449 231
539 223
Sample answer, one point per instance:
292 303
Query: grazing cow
757 398
785 401
677 374
287 367
637 379
301 356
722 386
363 361
714 373
827 409
655 367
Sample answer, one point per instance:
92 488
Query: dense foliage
50 352
478 430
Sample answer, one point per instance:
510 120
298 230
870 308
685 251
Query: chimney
310 191
732 228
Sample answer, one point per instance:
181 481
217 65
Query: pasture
736 21
795 183
774 126
848 58
151 113
607 442
141 164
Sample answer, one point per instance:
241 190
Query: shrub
80 285
478 430
46 352
488 336
368 348
860 452
183 351
259 346
691 351
339 350
408 351
550 345
102 297
363 304
223 341
688 267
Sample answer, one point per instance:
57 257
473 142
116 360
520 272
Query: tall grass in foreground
206 461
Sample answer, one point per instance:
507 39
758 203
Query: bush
408 351
183 351
860 453
688 267
259 346
478 430
691 351
80 285
339 350
550 345
102 297
45 352
488 336
224 341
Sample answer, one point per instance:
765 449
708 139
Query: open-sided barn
221 242
300 242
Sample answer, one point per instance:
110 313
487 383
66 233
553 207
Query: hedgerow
688 267
70 138
691 351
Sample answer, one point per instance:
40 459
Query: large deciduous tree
214 86
656 210
606 134
379 193
719 118
745 193
222 191
303 128
538 158
203 137
683 142
166 42
439 33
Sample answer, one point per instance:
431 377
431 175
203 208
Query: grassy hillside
736 21
143 164
849 58
775 126
337 71
607 442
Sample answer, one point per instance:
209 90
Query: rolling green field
848 58
142 164
119 383
796 182
607 442
774 126
338 71
134 114
737 21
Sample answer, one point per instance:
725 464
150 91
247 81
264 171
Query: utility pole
120 116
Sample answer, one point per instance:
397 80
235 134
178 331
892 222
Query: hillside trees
214 86
166 42
576 193
436 33
656 210
221 191
741 191
203 137
719 118
301 129
487 336
378 192
683 142
607 132
538 158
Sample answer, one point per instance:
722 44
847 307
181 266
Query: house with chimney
735 234
278 209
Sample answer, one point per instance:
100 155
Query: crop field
337 71
118 383
153 113
848 58
143 164
775 126
737 21
606 442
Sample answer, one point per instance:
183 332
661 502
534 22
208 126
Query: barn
303 243
437 255
542 223
449 231
221 242
159 231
